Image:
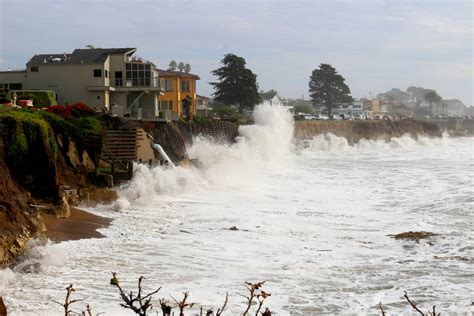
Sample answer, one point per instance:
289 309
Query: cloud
374 44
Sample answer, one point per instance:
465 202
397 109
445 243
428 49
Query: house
179 93
271 97
202 105
378 107
103 78
354 108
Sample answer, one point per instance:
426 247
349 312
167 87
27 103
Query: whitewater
312 221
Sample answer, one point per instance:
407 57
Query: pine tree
237 84
327 88
172 65
187 68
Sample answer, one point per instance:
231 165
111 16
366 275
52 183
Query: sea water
312 220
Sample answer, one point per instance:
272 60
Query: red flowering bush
69 112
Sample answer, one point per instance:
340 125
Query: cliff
354 131
39 153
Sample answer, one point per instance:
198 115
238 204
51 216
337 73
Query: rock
87 161
63 210
73 155
233 228
3 308
93 195
413 236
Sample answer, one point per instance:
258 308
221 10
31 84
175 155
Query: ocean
310 218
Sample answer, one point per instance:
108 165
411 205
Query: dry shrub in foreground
414 307
141 304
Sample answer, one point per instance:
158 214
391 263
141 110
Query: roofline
10 71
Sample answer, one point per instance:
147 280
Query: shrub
41 98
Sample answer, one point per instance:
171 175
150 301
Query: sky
375 44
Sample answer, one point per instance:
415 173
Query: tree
181 66
237 84
432 97
187 68
172 66
327 88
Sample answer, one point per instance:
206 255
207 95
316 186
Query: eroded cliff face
16 226
34 163
354 131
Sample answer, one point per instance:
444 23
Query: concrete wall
70 82
13 77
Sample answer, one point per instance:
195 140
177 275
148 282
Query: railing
111 158
140 83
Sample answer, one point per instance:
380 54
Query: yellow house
179 94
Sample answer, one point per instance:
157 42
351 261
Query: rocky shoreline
56 171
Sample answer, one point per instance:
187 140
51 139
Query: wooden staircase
119 146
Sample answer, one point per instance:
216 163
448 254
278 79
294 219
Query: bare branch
182 304
144 302
252 288
381 309
413 304
220 310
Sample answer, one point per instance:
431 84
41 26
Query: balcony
139 84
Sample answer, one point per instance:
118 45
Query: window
166 105
34 69
168 85
16 86
97 73
106 73
118 79
138 74
185 85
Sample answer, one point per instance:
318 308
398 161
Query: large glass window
185 85
138 74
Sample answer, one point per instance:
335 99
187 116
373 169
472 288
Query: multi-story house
179 93
103 78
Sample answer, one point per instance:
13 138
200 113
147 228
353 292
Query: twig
252 287
381 309
261 298
413 304
129 301
68 301
220 310
182 304
165 308
267 312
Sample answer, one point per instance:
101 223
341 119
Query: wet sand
80 225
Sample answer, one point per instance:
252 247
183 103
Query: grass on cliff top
24 127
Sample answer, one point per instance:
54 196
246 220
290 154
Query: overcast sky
375 45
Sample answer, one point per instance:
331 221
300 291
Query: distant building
272 98
354 108
378 107
179 92
202 105
99 77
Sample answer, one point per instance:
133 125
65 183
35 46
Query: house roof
80 56
202 97
169 73
269 94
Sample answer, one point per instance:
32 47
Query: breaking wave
266 143
334 144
